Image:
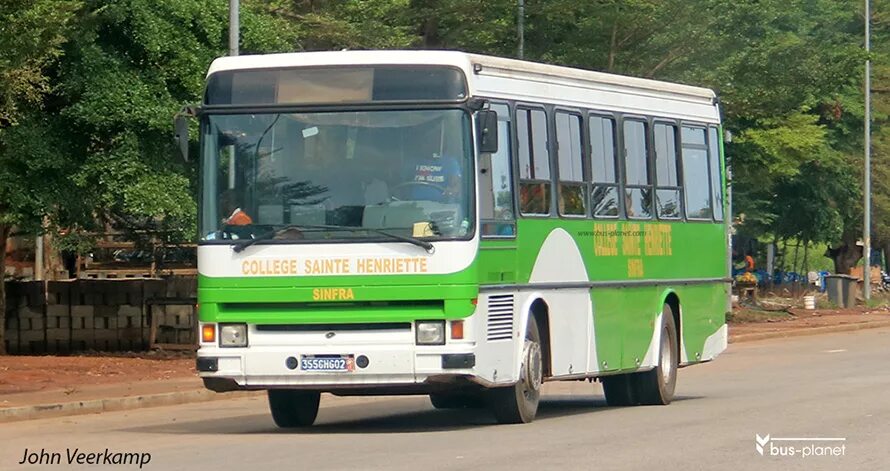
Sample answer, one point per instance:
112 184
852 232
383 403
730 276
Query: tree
89 92
32 175
129 67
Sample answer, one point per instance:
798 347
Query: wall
99 315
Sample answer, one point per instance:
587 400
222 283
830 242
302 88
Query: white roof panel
518 80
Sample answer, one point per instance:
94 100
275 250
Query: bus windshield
283 176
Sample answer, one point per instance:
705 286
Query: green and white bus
457 225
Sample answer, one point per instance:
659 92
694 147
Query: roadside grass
749 315
822 302
879 300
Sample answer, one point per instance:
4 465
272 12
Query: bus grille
500 317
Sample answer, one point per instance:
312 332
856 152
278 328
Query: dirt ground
748 321
39 373
20 374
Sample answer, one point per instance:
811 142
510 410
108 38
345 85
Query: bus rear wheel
293 408
656 387
619 390
518 404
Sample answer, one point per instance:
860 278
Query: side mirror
181 128
181 135
487 131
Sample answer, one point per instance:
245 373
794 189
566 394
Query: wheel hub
531 368
666 360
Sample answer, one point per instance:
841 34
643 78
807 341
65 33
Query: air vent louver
500 317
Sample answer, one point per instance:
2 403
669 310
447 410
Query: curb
804 331
93 406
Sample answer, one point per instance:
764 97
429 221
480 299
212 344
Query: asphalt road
827 386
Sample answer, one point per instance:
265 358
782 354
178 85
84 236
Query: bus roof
510 78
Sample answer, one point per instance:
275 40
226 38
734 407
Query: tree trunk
784 251
805 265
430 33
4 235
845 257
886 249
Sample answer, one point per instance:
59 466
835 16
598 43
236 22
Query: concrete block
37 323
31 312
185 337
58 334
107 345
124 322
116 297
105 334
58 346
82 311
60 322
82 335
131 334
59 292
34 346
57 310
180 309
129 310
105 311
81 323
31 336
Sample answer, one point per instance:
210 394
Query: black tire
292 409
619 390
456 401
518 404
656 387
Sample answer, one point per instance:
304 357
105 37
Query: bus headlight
233 335
430 333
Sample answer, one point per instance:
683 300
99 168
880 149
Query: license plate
338 363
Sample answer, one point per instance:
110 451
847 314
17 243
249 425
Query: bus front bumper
407 367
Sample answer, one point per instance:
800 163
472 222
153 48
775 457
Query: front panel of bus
338 226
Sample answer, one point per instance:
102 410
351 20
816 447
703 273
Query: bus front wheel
455 401
292 409
518 404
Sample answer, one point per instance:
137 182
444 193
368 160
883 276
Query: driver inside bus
436 178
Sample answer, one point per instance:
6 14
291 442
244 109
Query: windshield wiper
240 246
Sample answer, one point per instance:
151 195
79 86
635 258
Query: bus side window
716 175
572 189
604 195
638 193
667 193
696 183
496 181
534 162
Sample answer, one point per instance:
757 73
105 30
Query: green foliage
788 73
349 24
31 33
129 67
34 173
